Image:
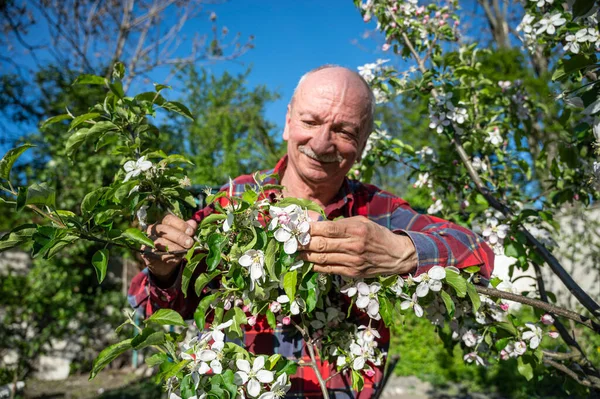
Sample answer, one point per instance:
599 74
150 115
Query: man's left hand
357 247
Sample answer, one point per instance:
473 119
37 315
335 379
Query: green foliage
229 135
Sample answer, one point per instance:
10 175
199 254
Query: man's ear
288 116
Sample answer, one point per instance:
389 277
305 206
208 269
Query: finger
174 235
180 224
325 244
331 258
164 245
328 229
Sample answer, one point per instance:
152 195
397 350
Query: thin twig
313 363
540 305
561 367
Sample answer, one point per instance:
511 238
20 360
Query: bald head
344 78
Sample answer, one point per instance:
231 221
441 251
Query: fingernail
189 231
188 242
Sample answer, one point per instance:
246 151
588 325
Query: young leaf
474 296
108 355
271 319
457 282
36 194
17 236
289 284
178 108
270 260
137 236
448 302
210 219
166 317
53 120
87 79
200 313
524 368
148 337
100 261
7 161
82 118
204 279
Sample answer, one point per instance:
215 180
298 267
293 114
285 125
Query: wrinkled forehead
340 90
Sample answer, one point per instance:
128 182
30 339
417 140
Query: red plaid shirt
438 242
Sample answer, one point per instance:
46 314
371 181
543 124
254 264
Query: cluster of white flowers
367 299
205 356
374 138
426 154
494 137
478 164
423 181
494 234
582 36
436 207
371 70
252 377
291 225
445 113
362 349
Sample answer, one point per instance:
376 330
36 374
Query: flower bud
246 308
385 47
251 320
369 372
553 334
504 355
547 319
286 320
275 307
504 306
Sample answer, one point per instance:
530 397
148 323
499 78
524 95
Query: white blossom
279 389
474 357
135 168
478 164
412 303
494 137
436 207
367 299
432 280
549 23
254 260
534 335
253 376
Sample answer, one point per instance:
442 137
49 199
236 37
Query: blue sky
292 37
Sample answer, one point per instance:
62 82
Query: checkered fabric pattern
438 242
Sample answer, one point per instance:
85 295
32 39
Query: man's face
325 126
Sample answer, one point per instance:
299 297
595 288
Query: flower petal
422 289
216 366
240 378
245 260
291 246
362 301
437 273
258 364
265 376
253 388
243 365
207 355
282 235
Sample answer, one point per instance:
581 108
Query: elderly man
328 121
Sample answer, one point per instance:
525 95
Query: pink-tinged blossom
474 357
547 319
553 334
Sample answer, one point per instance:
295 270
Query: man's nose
322 142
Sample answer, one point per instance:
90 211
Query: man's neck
295 186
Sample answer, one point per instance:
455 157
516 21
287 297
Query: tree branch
540 305
580 380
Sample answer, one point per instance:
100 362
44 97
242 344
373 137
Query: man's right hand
171 234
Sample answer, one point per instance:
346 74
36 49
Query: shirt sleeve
146 296
440 242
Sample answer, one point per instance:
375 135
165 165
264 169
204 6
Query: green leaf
386 309
91 199
156 359
108 355
358 381
457 282
100 262
495 281
166 317
36 194
200 313
60 244
215 242
524 368
271 319
82 118
272 361
270 255
7 161
501 343
137 236
17 236
566 67
92 134
177 107
148 337
210 219
53 120
472 269
450 307
204 279
474 296
289 284
87 79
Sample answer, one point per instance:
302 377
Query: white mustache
321 158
